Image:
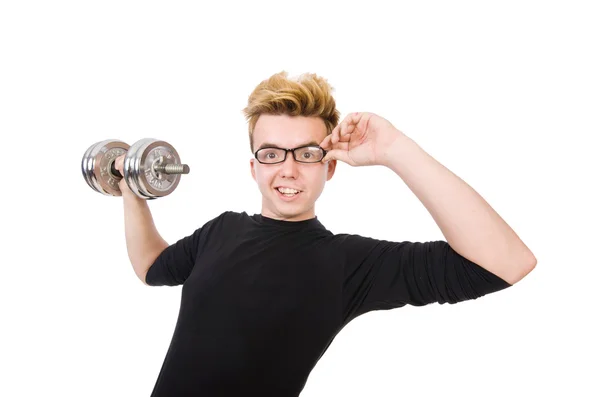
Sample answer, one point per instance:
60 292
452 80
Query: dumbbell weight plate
139 170
96 163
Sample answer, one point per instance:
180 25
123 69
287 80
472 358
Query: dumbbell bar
152 168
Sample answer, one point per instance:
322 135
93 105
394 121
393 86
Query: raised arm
144 243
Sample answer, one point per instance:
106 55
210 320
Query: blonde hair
307 95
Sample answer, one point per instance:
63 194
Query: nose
289 168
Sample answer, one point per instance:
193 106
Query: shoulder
349 240
355 247
231 218
217 220
227 215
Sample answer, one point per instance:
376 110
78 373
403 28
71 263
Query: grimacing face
309 179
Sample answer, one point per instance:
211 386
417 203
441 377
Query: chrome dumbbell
152 167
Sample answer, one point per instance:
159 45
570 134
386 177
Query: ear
331 164
252 169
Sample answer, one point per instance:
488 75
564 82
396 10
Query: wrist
394 150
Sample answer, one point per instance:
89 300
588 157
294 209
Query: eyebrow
267 144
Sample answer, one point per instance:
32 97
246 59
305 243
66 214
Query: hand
119 165
360 139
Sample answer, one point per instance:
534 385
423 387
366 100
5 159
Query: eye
270 154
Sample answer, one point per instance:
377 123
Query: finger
356 117
363 121
337 154
119 163
327 145
335 134
336 131
346 128
329 137
351 121
340 146
326 142
352 118
346 131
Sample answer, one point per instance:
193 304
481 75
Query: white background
505 95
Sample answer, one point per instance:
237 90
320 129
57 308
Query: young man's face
287 132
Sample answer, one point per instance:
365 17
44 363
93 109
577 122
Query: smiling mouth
288 192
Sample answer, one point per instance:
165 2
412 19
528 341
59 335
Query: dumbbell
152 167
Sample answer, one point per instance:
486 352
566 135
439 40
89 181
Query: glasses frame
293 156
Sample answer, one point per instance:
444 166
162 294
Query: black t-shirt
262 299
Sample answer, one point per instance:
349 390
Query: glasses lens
270 155
308 154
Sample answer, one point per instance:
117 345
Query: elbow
522 270
142 276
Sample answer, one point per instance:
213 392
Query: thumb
336 154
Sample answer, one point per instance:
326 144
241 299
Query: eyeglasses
304 154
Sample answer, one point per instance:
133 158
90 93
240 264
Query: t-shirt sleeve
381 275
175 263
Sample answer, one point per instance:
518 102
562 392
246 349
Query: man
264 295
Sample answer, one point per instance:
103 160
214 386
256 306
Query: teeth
287 190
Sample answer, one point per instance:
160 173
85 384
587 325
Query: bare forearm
470 225
144 243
